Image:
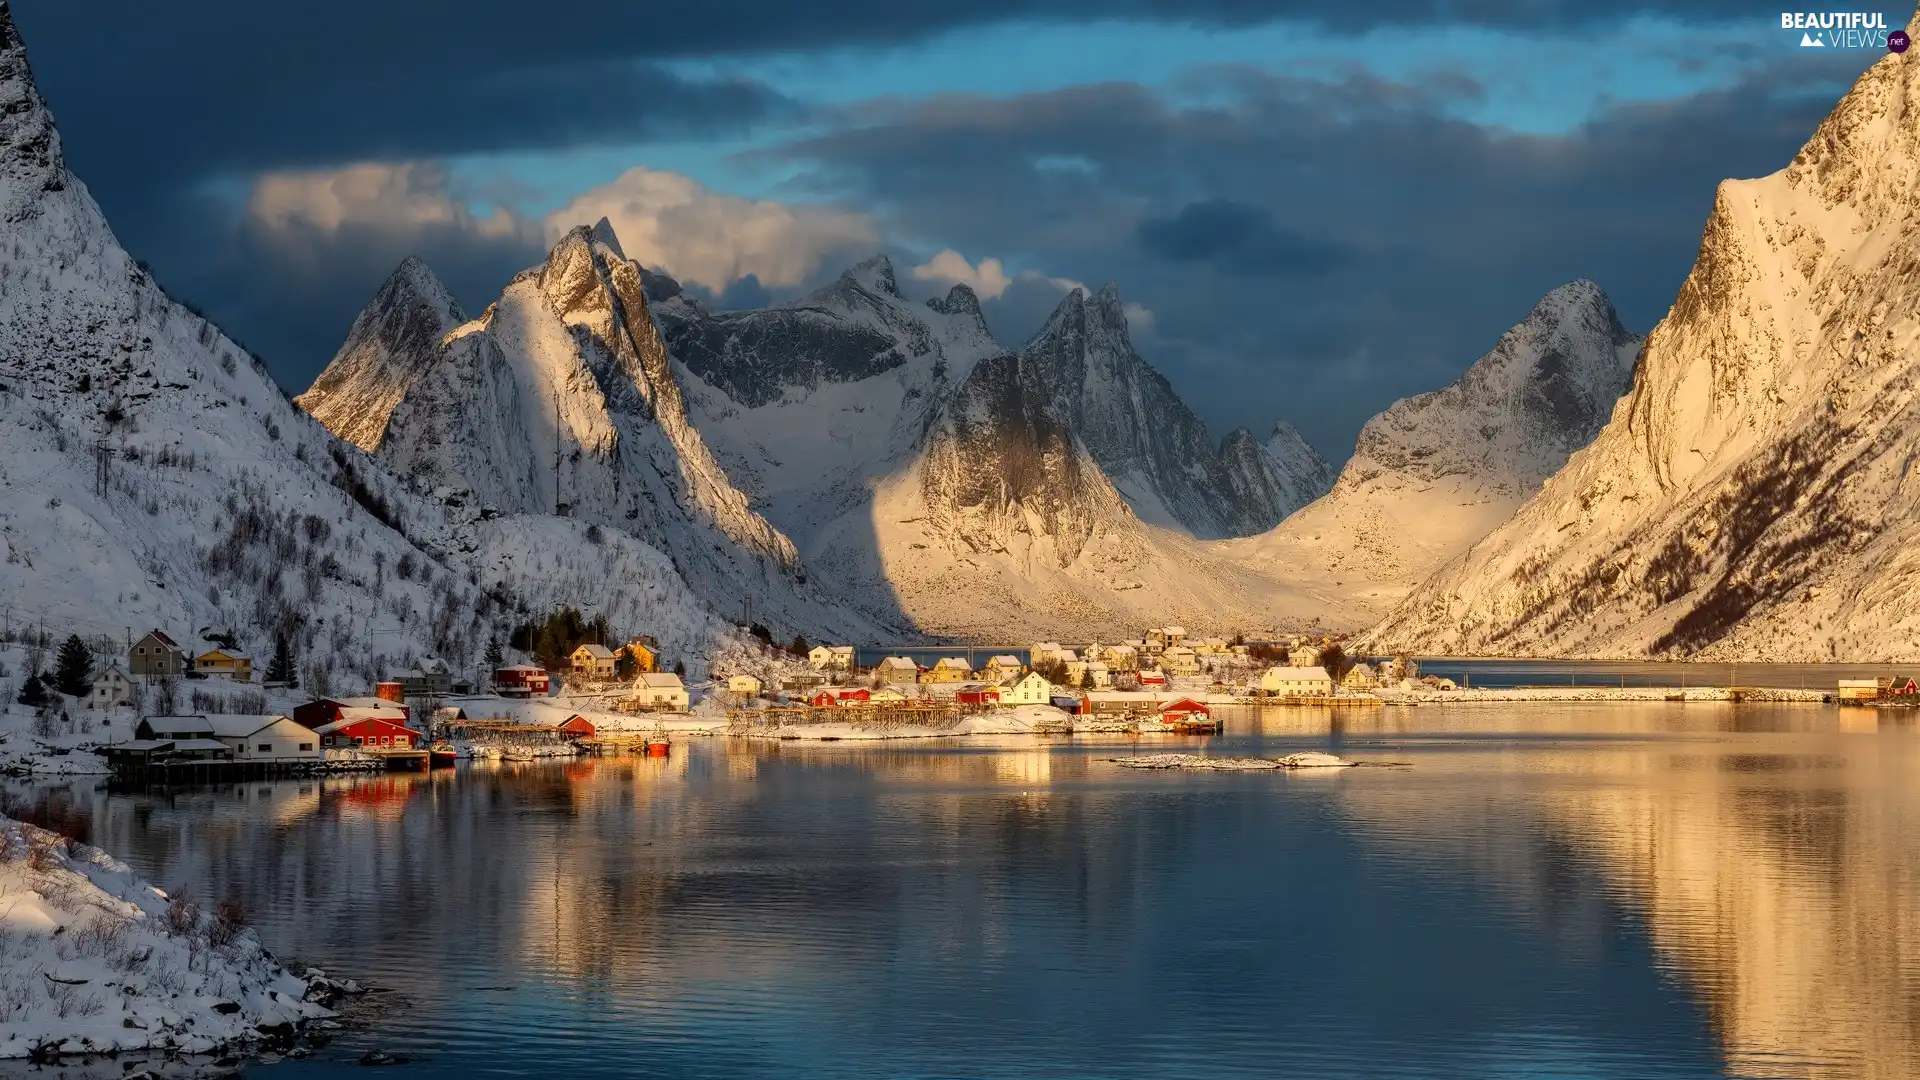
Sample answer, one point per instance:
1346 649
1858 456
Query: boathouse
368 732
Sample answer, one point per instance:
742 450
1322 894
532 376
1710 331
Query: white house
1121 657
111 689
828 657
1303 655
1029 689
743 686
1180 660
1296 682
1360 677
662 690
897 669
265 738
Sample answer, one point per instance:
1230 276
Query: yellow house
219 663
645 657
949 669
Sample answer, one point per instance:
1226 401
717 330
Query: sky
1311 210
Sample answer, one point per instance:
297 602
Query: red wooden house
521 680
977 694
1904 685
577 727
829 696
369 732
1152 677
1174 712
323 711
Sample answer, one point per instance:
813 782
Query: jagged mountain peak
875 275
394 340
959 300
30 155
603 234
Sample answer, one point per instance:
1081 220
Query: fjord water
1640 891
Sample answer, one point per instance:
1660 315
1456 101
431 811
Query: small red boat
442 756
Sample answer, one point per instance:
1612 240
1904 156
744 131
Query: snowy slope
1438 471
394 341
223 506
1003 527
809 404
1754 497
561 398
1157 452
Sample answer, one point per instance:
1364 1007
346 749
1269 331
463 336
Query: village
167 712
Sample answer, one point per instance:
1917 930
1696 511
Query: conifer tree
32 693
73 668
281 670
495 656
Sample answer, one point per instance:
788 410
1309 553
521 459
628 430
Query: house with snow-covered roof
661 690
155 656
594 661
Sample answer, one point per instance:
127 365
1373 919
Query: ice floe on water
1306 760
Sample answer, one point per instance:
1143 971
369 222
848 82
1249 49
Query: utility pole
100 458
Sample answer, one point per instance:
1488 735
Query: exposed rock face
997 464
1157 452
394 341
1438 471
1284 473
561 399
1754 496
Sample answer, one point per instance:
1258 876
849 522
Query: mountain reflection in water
1610 890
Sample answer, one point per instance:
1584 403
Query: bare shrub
183 915
104 935
44 851
229 922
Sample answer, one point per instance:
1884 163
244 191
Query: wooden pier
928 714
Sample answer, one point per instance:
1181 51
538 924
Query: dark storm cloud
1235 237
1449 231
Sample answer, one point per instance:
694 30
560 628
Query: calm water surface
1593 891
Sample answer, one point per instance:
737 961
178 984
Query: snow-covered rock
95 961
1284 473
394 341
810 403
560 400
1083 366
1754 497
1438 471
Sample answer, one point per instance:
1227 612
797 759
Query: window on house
357 741
305 747
266 748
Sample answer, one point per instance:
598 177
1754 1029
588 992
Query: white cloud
1065 285
404 197
988 280
702 237
1139 318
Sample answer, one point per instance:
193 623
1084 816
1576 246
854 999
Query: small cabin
743 686
577 727
1183 709
977 694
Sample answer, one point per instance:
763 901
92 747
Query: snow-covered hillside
153 476
560 399
1754 497
1004 527
1156 451
1436 472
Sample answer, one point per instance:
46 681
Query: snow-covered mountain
395 340
1284 472
1755 496
810 403
155 476
560 399
1157 452
1436 472
1003 527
